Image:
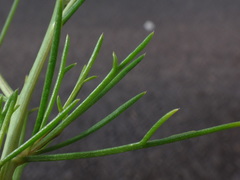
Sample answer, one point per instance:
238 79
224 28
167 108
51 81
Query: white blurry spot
149 26
68 175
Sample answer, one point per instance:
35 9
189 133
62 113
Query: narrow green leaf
118 77
156 126
50 68
132 146
69 67
8 20
89 79
68 12
97 126
140 47
106 85
109 81
81 108
62 71
85 71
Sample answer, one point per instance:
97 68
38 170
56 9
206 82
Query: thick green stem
24 98
17 120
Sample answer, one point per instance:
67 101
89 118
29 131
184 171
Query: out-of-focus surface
192 63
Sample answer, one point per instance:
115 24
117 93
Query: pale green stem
24 98
17 120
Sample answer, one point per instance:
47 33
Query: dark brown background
193 63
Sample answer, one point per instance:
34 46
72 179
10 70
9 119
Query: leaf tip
101 36
175 110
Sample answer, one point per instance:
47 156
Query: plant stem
97 126
131 147
17 120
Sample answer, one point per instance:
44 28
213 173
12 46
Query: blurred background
192 63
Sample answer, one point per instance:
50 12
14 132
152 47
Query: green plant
14 105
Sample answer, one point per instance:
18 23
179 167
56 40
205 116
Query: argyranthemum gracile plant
14 104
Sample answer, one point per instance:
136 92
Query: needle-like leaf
50 68
97 126
133 54
156 126
62 72
8 21
70 10
110 80
85 72
132 146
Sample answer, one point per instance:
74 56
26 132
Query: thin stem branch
97 126
131 147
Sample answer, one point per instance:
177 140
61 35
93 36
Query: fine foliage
14 104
